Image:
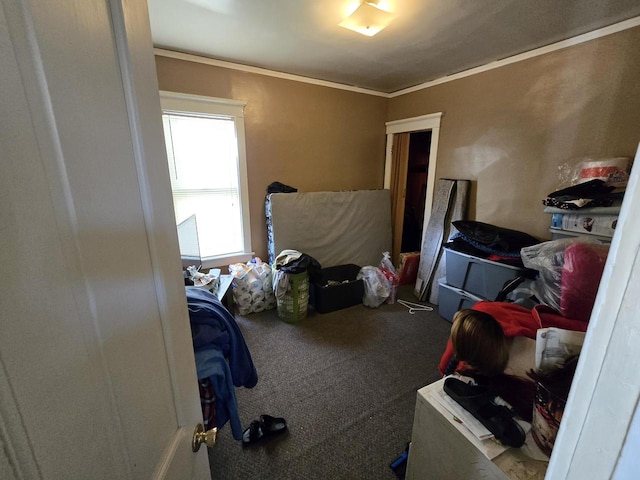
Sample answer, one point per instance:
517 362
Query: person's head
478 339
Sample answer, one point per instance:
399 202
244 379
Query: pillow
496 238
581 273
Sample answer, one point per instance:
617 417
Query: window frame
188 104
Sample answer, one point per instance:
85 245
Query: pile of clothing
490 242
223 360
594 193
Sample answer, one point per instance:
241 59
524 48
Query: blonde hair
478 339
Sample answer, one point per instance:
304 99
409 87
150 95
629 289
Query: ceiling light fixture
368 19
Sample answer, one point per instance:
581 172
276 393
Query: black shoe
253 434
265 427
272 425
479 401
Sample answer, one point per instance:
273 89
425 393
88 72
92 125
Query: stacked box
337 288
592 222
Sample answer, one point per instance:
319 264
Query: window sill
226 260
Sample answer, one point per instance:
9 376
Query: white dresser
442 449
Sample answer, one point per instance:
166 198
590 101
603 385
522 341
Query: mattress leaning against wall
335 228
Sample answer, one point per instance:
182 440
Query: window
207 166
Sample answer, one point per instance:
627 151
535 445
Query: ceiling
427 40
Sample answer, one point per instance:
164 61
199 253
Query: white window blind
205 150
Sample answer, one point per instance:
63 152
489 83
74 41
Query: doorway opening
415 191
415 138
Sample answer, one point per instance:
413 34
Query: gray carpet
346 383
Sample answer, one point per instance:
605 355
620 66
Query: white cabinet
442 449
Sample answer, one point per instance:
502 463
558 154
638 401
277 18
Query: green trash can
292 307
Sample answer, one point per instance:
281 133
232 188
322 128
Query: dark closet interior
419 148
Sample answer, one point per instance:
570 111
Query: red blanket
516 320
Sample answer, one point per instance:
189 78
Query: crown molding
586 37
570 42
189 57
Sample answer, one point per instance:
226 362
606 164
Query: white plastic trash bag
376 286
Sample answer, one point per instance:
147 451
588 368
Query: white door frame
416 124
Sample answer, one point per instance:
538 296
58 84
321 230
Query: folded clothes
594 193
586 189
573 203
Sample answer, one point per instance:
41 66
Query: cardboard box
590 224
408 267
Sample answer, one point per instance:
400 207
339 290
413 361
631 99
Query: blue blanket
221 354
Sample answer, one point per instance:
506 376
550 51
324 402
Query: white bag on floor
376 286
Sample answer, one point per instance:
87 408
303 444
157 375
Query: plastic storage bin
292 307
557 234
478 276
337 288
452 299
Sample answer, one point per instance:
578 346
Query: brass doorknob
200 437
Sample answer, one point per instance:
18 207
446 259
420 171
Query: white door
97 376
